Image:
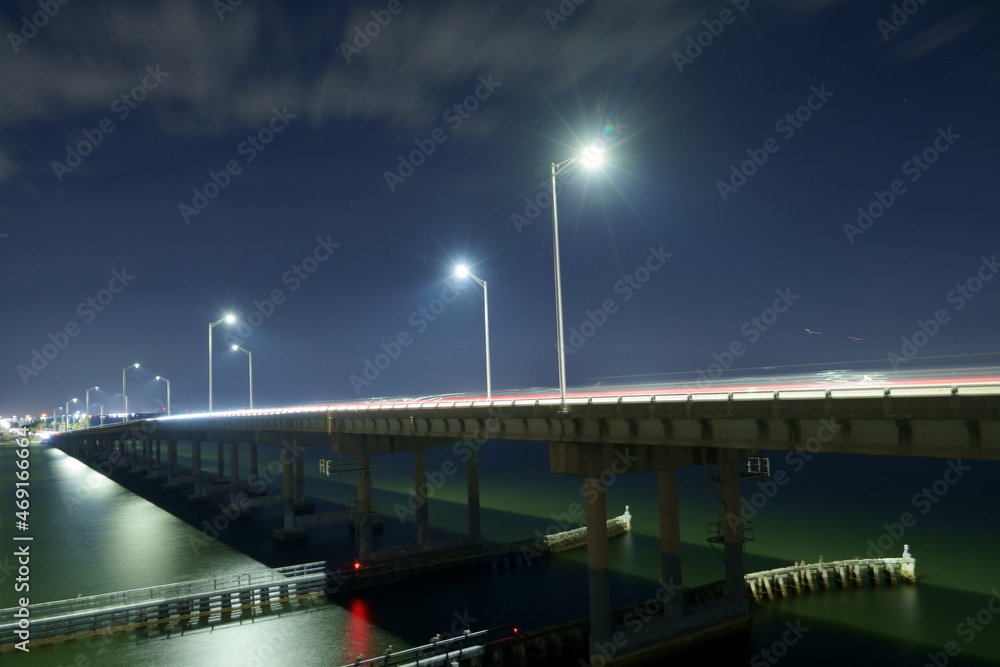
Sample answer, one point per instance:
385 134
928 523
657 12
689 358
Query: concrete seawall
807 577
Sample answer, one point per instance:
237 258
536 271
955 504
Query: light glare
461 271
592 157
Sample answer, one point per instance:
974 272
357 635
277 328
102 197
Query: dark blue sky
162 95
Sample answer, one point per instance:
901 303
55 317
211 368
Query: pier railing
93 614
166 591
438 652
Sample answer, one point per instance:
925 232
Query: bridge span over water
591 436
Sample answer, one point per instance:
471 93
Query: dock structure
233 597
239 596
805 577
466 648
380 568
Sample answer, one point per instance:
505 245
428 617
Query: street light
591 158
55 418
158 377
86 408
67 411
124 397
102 412
228 319
462 271
250 360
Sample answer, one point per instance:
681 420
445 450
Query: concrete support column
300 474
364 507
288 491
147 446
597 567
234 473
171 460
472 477
420 490
253 460
221 464
733 531
158 457
134 459
670 539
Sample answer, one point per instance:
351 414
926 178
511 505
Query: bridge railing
152 593
751 394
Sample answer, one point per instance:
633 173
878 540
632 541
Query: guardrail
82 616
166 591
440 652
981 389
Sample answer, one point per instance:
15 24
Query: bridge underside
931 426
596 441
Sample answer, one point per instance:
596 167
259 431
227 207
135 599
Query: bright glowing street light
591 158
250 360
158 377
229 318
124 397
462 271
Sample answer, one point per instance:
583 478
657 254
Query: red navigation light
515 631
357 565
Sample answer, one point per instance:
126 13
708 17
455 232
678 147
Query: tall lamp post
250 361
102 412
591 157
86 408
73 400
228 319
159 377
462 271
55 418
124 397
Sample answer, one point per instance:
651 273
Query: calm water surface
94 535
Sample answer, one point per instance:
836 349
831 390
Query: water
93 535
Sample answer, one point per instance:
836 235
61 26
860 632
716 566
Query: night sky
319 169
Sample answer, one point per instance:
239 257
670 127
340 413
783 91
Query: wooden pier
239 596
231 598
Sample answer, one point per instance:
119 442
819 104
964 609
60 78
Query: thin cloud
226 76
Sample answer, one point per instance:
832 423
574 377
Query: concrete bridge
595 437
